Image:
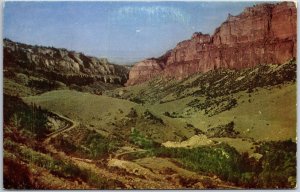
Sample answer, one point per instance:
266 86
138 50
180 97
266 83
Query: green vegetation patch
57 167
154 119
275 169
226 130
278 164
141 141
85 143
23 116
213 106
221 160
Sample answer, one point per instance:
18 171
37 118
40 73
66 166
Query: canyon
216 112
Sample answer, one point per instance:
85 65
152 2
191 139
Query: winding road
70 124
137 176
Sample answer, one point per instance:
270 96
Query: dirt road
145 173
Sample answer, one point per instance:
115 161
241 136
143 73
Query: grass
92 110
260 100
255 114
241 145
16 89
103 113
176 110
271 110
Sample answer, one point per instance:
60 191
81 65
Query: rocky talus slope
261 34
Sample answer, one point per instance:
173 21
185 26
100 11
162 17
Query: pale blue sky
121 31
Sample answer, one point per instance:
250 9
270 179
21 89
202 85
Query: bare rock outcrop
145 70
261 34
61 64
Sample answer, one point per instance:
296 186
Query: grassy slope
102 112
91 110
13 88
271 115
270 111
267 113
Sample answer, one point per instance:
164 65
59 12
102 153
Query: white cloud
153 12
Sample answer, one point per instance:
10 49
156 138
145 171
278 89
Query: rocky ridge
261 34
61 64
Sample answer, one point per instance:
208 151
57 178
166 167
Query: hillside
46 68
218 97
162 134
175 133
262 34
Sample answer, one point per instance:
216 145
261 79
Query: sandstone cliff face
146 69
262 34
61 63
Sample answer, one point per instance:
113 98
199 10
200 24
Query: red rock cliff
262 34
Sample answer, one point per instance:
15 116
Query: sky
123 32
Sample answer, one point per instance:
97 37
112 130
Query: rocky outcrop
146 69
261 34
61 64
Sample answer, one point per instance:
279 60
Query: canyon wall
261 34
62 64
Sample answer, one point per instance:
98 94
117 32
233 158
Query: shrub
221 160
213 106
168 114
132 113
278 164
137 100
98 145
138 139
31 118
43 84
148 115
90 145
226 130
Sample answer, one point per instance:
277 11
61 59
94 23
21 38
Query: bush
226 130
138 139
173 115
19 114
132 113
43 84
98 145
221 160
148 115
137 100
278 164
213 106
85 144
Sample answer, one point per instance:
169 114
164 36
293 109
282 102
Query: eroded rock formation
261 34
62 64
